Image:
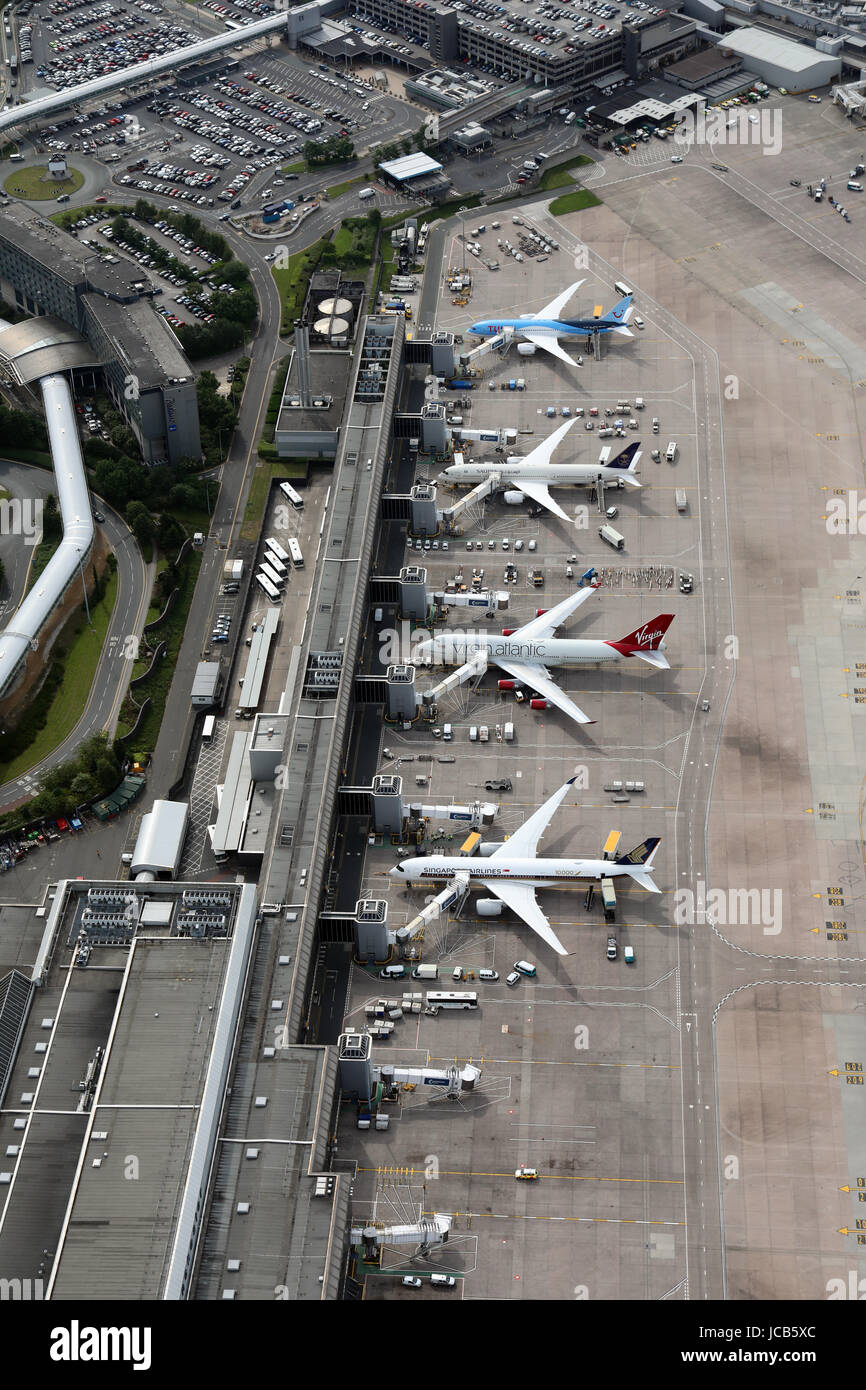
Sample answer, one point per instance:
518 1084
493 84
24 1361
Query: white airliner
526 652
545 328
512 870
533 475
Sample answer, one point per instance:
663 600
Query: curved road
116 661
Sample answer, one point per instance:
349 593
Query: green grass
338 188
292 282
33 182
298 167
387 266
574 202
41 556
39 457
159 682
559 176
79 668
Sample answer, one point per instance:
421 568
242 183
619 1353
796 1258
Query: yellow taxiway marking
551 1177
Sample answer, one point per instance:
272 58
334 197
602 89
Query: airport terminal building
45 272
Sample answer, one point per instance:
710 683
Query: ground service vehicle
612 537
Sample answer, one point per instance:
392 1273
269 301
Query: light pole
461 212
83 586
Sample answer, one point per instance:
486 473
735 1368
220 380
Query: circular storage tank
338 328
342 307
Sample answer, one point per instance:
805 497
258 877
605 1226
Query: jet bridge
501 340
455 678
454 893
479 493
426 1235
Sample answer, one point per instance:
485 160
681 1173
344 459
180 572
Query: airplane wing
543 453
550 344
556 306
546 625
520 897
523 844
539 493
534 677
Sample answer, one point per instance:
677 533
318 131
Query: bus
272 576
276 549
295 555
451 999
541 156
208 728
233 24
270 559
267 587
290 495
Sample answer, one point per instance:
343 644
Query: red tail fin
647 638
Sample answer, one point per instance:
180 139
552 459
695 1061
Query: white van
447 733
622 288
473 733
854 186
681 499
442 1281
671 452
392 972
483 733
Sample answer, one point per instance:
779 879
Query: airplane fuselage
543 328
555 475
448 650
541 873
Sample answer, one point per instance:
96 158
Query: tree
143 530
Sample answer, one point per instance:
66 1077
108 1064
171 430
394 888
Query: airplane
513 871
527 651
533 475
545 328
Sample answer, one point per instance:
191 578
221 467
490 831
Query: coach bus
276 549
451 999
272 576
290 495
267 587
295 555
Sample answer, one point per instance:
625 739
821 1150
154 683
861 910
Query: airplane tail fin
645 641
620 313
639 862
627 461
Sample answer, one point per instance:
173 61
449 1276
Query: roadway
25 484
111 678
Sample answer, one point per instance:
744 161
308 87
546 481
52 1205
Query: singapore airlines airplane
527 651
545 328
512 871
533 475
